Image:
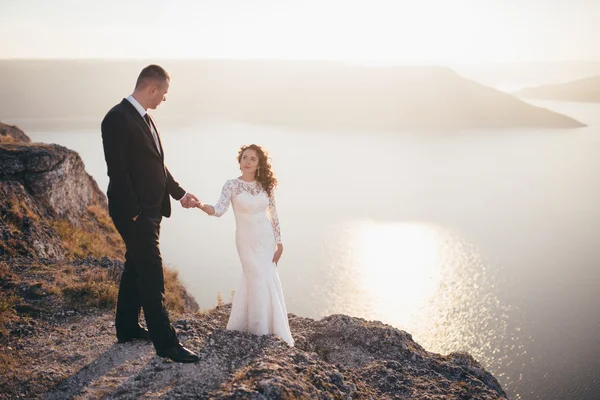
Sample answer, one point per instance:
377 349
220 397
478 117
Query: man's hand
189 201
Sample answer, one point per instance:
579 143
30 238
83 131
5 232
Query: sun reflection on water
425 280
398 268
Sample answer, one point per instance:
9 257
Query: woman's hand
278 253
206 208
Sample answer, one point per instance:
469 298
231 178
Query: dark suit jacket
139 180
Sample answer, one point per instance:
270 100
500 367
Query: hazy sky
392 30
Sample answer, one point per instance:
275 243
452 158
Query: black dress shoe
141 334
178 354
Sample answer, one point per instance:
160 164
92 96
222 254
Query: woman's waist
254 225
258 217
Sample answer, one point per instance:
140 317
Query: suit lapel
140 120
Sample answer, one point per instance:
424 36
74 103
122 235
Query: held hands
189 201
278 253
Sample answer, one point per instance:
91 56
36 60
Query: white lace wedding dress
258 304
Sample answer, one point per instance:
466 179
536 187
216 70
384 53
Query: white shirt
143 112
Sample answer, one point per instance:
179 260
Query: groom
138 198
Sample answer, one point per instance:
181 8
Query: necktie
147 119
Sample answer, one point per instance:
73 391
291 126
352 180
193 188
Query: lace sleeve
223 204
274 219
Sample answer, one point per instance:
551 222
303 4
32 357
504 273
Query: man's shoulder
117 112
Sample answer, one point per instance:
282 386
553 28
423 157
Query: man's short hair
152 72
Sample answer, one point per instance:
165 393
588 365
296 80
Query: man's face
158 93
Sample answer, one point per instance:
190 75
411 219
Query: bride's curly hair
264 175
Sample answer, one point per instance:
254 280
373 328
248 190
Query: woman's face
249 161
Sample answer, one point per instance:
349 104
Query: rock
54 175
50 208
12 134
22 230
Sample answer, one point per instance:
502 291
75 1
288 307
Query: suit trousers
142 282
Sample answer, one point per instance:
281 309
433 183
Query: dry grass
6 139
96 237
48 288
4 270
8 300
18 210
94 288
13 213
10 361
174 301
75 240
102 218
51 287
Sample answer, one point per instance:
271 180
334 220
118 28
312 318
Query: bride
258 305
